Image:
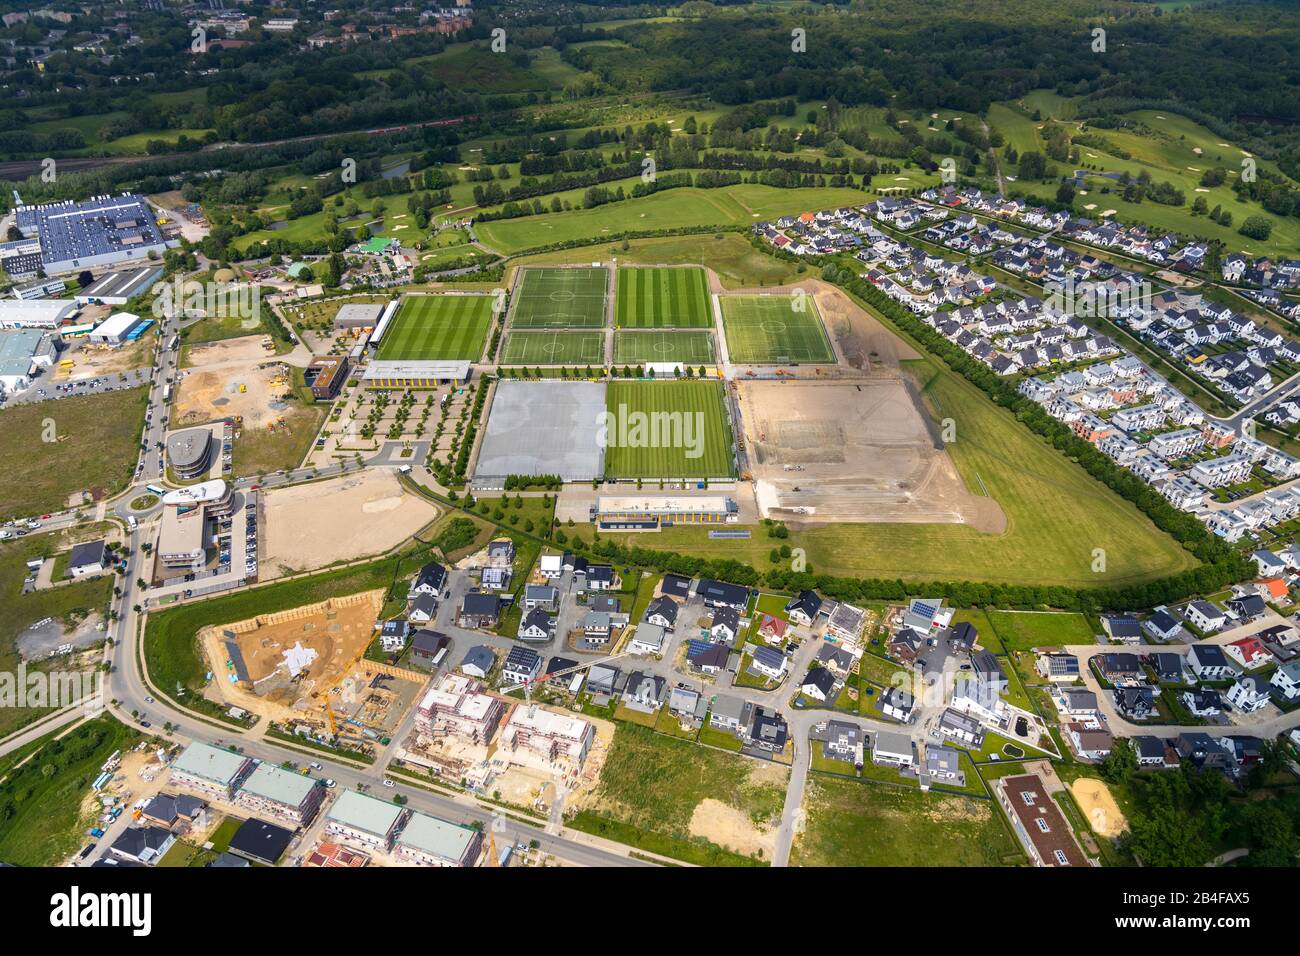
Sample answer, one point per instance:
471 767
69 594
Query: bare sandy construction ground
857 451
861 339
94 361
310 526
1099 806
210 388
336 631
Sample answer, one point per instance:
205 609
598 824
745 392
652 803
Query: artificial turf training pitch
438 327
560 299
657 298
643 346
773 330
667 430
554 348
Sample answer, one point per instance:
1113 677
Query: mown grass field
671 209
97 441
1057 516
851 823
652 784
774 329
439 327
662 299
640 346
668 430
732 259
560 298
554 348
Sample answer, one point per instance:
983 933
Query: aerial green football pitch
438 327
667 430
554 348
560 299
644 346
654 298
774 330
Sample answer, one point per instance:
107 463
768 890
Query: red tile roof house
773 629
1249 652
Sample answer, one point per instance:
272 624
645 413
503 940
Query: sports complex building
382 373
651 512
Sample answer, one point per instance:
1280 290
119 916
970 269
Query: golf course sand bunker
1095 800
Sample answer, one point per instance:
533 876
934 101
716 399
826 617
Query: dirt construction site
234 377
369 513
850 450
272 664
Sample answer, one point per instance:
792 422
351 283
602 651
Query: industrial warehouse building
650 512
22 353
40 289
397 374
189 452
102 231
118 329
543 428
35 313
119 286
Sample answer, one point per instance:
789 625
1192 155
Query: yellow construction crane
329 712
